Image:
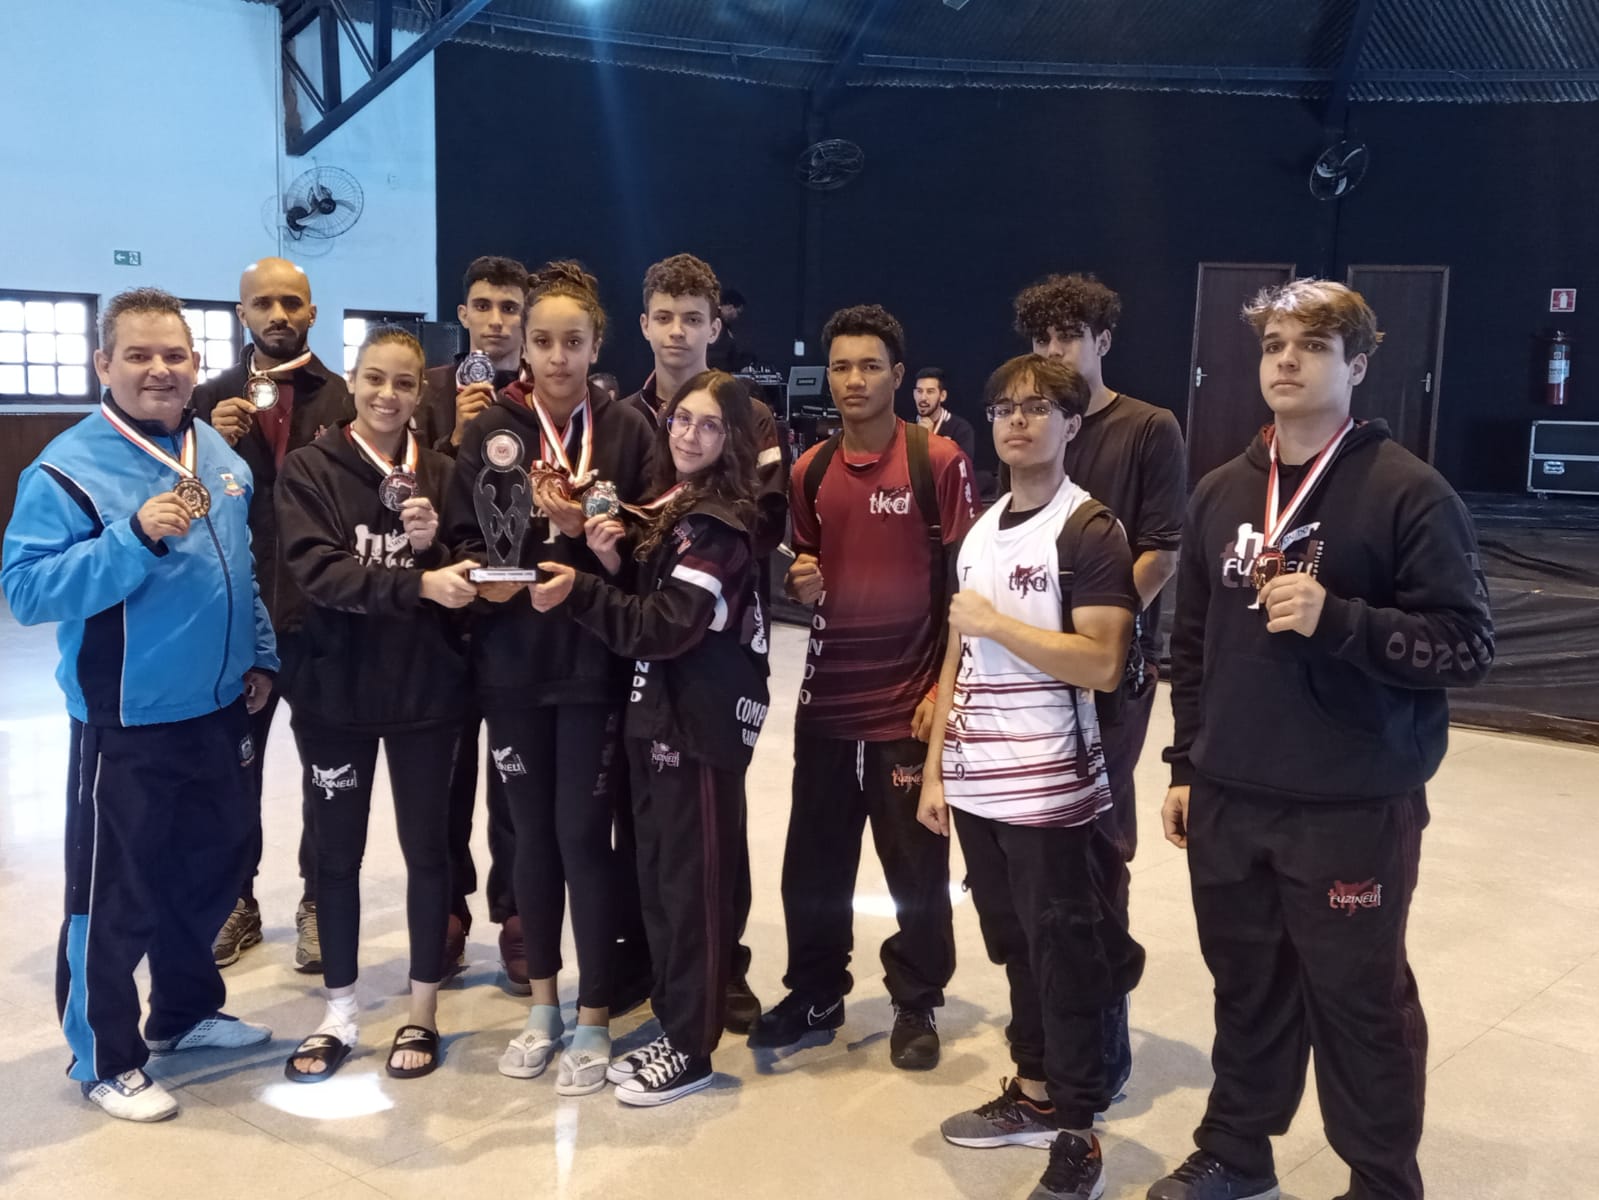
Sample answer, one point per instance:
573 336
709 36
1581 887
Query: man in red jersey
873 508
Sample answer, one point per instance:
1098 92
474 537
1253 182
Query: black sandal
325 1049
413 1037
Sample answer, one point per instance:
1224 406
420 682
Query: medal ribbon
184 466
282 368
381 461
1277 523
554 447
654 506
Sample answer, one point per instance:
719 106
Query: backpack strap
1109 704
1071 537
811 483
919 462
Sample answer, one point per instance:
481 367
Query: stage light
957 5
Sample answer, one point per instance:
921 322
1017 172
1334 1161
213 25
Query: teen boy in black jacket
1329 592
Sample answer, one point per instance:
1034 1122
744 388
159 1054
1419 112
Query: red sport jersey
875 638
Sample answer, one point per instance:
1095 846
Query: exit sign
1563 300
127 258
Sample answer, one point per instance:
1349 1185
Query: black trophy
505 525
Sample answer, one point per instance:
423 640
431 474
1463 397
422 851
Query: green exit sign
126 258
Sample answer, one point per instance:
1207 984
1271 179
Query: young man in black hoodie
263 426
1329 592
492 308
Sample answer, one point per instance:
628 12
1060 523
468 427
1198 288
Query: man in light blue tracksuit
130 533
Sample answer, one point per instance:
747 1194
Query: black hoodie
694 626
1357 710
521 657
378 659
321 401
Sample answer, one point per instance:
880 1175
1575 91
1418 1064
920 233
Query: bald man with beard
275 306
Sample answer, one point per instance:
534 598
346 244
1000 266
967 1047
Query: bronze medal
192 494
1268 564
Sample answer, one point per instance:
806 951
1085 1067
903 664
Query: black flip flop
413 1037
323 1047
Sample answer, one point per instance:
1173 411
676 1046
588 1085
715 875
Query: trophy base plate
505 575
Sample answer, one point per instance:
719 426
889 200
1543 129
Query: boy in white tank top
1042 616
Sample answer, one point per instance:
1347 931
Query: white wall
157 126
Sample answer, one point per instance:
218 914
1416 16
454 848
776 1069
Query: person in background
932 396
275 306
492 309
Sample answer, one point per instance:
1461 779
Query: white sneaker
528 1054
630 1064
218 1032
582 1072
132 1096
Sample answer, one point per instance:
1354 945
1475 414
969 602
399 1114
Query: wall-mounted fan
322 203
1339 170
829 164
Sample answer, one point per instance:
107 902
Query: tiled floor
1504 938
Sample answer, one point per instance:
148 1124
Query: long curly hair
731 478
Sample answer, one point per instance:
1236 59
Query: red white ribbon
184 466
293 364
649 509
381 461
554 443
1277 523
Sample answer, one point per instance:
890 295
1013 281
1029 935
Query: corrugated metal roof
1464 51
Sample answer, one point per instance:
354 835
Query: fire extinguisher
1558 369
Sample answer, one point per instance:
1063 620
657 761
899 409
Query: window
217 336
357 321
47 344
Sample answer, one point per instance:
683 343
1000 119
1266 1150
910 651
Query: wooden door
1402 382
1225 408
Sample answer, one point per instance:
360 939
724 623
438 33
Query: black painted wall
542 158
969 195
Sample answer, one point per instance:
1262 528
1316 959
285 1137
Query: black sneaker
627 1066
793 1018
913 1046
1075 1172
239 932
664 1078
1010 1119
743 1009
1206 1177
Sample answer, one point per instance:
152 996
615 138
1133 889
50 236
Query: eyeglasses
680 425
1034 408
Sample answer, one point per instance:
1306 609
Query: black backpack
919 460
1108 704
